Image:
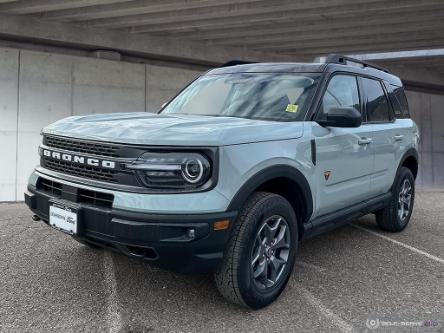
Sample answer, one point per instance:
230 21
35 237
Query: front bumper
160 238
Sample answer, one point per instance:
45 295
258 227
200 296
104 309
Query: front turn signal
221 225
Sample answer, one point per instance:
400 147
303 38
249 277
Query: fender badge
327 174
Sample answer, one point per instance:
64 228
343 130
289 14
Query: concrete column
45 96
9 67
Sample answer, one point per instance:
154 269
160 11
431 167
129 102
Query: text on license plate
63 218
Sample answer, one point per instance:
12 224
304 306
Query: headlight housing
186 171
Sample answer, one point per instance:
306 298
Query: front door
344 158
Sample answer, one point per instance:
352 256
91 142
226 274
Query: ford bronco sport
235 170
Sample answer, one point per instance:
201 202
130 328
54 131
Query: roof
307 68
271 67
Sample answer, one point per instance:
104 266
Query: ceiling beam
173 23
290 28
407 38
363 48
28 29
246 11
137 7
36 6
417 55
379 32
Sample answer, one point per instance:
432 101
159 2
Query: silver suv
235 170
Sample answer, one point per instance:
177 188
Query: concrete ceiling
292 29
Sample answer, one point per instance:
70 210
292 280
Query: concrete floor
50 283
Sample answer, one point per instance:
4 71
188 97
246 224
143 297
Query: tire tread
227 275
387 218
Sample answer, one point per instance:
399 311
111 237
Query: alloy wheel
405 199
270 252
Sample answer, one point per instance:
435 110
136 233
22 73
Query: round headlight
172 170
192 170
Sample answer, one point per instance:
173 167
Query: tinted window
342 90
377 105
393 100
400 96
399 101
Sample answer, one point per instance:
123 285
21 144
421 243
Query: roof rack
344 60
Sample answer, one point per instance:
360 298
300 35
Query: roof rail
236 62
344 60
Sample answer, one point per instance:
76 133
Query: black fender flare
412 152
267 174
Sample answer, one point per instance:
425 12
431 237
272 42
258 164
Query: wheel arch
283 180
409 160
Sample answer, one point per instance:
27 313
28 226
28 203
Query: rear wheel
260 254
396 215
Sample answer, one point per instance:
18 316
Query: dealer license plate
63 218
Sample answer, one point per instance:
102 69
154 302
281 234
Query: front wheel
396 215
260 253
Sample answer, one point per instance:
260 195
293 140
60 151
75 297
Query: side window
393 100
377 105
400 95
342 90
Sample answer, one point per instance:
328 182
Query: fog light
191 233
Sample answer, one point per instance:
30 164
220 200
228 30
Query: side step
330 221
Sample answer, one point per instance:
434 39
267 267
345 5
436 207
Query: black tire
234 278
88 244
389 219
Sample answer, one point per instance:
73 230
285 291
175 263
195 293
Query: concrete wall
38 88
9 65
428 112
162 83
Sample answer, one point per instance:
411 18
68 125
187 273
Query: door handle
364 141
398 137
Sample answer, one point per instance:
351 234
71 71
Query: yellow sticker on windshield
292 108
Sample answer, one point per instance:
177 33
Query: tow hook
35 218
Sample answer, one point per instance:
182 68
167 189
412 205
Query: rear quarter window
400 95
399 102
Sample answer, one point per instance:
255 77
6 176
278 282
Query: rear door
387 134
344 159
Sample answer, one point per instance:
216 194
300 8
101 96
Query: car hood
178 130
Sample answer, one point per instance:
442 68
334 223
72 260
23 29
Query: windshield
281 97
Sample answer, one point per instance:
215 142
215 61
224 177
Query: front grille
84 171
118 154
79 195
95 198
50 187
79 146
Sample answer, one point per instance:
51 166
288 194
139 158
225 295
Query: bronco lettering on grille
79 159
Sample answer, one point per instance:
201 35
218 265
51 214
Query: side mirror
342 117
